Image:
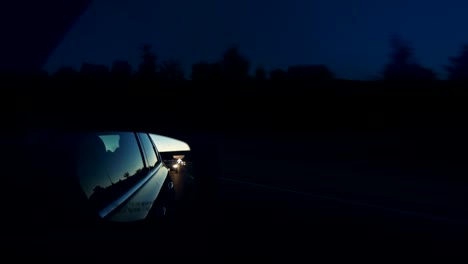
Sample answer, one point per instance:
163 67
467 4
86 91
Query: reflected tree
98 189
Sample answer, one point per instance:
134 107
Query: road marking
423 215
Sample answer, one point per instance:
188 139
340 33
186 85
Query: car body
92 176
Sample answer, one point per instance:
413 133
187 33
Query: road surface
272 199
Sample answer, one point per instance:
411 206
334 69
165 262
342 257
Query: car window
109 163
148 149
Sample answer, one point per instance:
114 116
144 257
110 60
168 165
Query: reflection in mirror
129 176
167 144
149 150
176 156
109 164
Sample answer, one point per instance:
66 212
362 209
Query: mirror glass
130 176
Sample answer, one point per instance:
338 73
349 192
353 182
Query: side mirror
126 177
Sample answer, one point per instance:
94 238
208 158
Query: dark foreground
302 183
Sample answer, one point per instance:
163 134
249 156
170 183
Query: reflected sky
166 144
108 160
111 142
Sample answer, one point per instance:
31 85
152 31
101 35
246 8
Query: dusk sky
350 37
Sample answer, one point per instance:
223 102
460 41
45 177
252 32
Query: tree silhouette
65 72
171 70
422 73
206 71
310 73
94 71
278 75
121 70
400 60
234 65
260 74
148 66
98 189
458 70
402 64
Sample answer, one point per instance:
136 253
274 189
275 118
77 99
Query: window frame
155 147
142 149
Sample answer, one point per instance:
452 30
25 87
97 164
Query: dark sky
351 37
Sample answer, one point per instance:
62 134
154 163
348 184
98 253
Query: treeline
232 65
